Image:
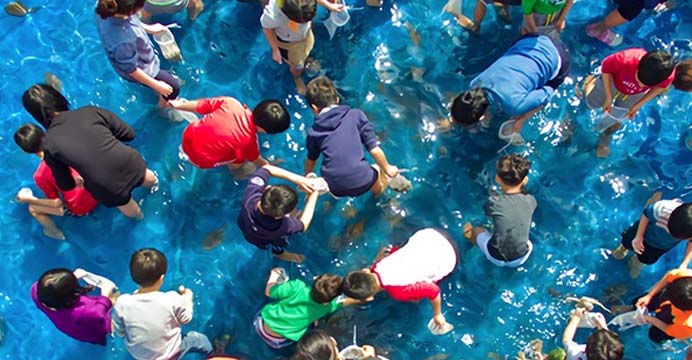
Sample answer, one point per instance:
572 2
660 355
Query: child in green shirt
296 306
539 15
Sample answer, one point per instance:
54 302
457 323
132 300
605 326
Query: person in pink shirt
77 202
65 302
628 80
408 273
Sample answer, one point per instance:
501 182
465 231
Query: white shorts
482 240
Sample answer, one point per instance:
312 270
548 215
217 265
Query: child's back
511 215
151 323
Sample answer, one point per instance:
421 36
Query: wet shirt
89 140
226 134
89 320
575 351
78 200
544 7
286 30
511 215
152 323
516 82
128 46
294 310
656 233
411 273
623 66
338 135
262 230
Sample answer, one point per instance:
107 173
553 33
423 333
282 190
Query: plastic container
508 134
616 115
336 20
168 46
436 330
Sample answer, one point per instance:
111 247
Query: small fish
214 238
438 357
348 212
53 81
412 34
554 293
495 356
16 8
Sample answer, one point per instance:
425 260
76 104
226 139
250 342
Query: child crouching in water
337 134
509 243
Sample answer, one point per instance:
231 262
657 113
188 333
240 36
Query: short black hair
604 345
680 222
680 293
326 288
321 92
655 67
43 101
147 266
512 169
271 116
300 11
29 137
469 106
359 285
278 200
315 345
683 76
60 289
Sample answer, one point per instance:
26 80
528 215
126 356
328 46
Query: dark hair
29 137
469 106
315 345
655 67
300 11
108 8
147 266
680 222
680 293
325 288
278 200
60 289
271 116
321 92
512 169
683 76
359 285
43 101
604 345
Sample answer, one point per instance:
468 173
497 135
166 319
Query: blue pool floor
584 202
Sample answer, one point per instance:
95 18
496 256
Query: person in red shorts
408 273
77 202
227 134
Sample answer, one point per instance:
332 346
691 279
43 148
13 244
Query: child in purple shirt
85 318
265 215
338 133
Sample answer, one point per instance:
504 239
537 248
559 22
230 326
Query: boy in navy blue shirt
265 215
337 134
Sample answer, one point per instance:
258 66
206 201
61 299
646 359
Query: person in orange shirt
671 301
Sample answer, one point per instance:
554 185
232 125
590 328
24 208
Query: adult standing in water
89 140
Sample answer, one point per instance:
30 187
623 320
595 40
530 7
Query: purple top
89 320
261 230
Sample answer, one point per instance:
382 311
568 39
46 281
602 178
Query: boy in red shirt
77 201
227 134
629 79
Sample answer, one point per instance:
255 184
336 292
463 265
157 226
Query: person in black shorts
89 140
627 10
501 7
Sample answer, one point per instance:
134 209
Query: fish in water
3 330
16 8
214 238
53 81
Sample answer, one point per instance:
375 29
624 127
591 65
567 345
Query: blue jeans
195 342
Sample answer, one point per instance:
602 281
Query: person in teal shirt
544 16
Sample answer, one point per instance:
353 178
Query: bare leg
381 184
635 267
620 252
150 179
49 227
471 233
300 84
479 13
194 8
603 149
132 210
291 257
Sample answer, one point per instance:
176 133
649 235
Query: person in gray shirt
509 243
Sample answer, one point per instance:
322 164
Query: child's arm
688 256
644 300
560 23
381 160
186 312
309 166
572 324
654 92
184 105
309 211
61 173
270 34
531 22
638 241
437 311
260 161
161 87
607 88
121 130
280 173
331 5
54 203
274 275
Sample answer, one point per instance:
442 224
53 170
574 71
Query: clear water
584 202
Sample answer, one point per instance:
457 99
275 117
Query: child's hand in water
276 55
638 244
162 88
392 171
368 351
633 111
643 301
440 320
176 103
336 7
